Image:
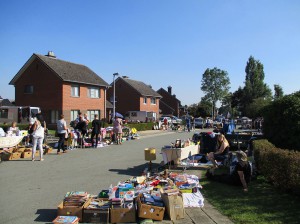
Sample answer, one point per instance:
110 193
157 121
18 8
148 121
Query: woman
222 151
241 176
61 132
14 129
118 129
37 138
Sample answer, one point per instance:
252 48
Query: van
20 114
140 116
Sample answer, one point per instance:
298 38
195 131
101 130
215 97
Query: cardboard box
174 206
118 215
72 210
66 219
150 211
96 215
26 154
5 156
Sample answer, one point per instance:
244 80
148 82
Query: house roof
166 92
140 87
5 102
67 71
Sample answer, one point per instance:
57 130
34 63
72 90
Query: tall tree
278 92
215 84
254 83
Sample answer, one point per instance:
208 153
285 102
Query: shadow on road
46 215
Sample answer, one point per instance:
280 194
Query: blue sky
160 42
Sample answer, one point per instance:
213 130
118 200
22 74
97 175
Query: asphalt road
30 191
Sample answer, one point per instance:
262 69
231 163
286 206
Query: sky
159 42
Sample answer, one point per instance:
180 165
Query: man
96 130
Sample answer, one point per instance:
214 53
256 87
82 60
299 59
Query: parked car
198 122
176 120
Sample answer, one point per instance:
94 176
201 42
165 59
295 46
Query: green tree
254 82
255 108
278 92
215 84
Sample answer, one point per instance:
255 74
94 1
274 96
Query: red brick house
169 104
132 95
60 87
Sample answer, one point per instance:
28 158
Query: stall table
11 141
178 154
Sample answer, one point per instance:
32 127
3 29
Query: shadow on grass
262 204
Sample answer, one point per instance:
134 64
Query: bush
281 167
282 121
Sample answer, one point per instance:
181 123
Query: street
31 191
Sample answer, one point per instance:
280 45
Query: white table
6 142
178 154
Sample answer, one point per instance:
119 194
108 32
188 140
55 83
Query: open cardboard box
72 210
150 211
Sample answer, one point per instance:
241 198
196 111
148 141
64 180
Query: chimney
170 90
51 54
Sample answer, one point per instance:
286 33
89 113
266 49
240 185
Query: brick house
60 87
169 104
132 95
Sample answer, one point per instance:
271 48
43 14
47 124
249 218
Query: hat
242 156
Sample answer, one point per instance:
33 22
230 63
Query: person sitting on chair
222 151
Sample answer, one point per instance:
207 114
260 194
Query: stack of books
75 198
97 203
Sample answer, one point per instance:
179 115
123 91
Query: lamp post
114 99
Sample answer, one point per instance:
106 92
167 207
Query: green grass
261 204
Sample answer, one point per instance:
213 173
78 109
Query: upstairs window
153 100
28 89
75 91
94 92
145 100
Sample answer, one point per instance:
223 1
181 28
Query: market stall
177 154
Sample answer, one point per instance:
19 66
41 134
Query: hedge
280 167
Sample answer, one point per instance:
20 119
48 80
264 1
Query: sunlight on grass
262 204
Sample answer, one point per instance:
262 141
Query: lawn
262 204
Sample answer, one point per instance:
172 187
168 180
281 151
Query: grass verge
262 204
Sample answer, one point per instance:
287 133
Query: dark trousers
61 142
92 137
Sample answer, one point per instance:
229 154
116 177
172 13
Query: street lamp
114 99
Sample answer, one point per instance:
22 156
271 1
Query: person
241 175
166 123
14 129
5 128
188 123
38 137
85 117
61 132
81 126
117 129
96 127
40 117
30 130
222 150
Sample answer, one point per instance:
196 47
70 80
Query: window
91 114
74 114
153 100
28 89
4 113
54 116
94 92
145 100
75 91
